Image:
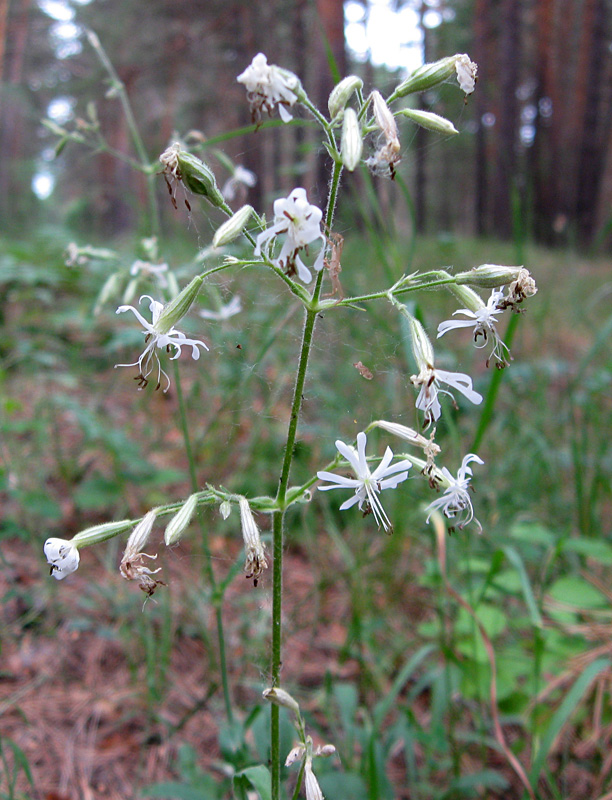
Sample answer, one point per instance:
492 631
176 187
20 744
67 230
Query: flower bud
430 75
281 698
199 178
225 509
488 276
109 289
100 533
130 291
421 346
179 522
176 309
468 297
384 117
426 77
140 535
173 286
232 227
426 119
341 94
150 248
351 145
408 434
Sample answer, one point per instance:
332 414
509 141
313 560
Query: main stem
278 518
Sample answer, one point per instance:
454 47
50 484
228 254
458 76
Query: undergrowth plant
301 248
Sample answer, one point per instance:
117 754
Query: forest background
101 699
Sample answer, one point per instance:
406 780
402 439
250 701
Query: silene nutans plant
296 241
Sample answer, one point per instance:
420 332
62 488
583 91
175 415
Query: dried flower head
132 566
388 153
255 555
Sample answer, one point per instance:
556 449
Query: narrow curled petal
462 383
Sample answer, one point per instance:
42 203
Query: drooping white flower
63 556
301 221
268 86
483 320
225 312
148 269
255 555
161 339
456 499
311 784
429 378
367 485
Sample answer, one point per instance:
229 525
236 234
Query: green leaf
517 562
485 779
563 713
533 533
178 791
596 549
260 779
385 705
577 592
343 786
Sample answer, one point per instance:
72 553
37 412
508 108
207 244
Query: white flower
456 498
429 377
63 557
466 73
367 485
225 312
241 178
268 86
429 380
483 321
148 269
301 221
158 339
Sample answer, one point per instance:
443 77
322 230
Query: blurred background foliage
389 666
